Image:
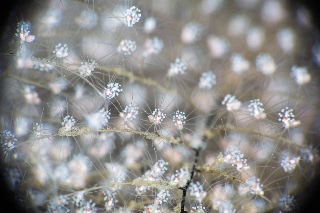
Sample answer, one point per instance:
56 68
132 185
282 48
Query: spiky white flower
68 123
289 164
132 16
236 158
152 46
86 68
197 192
179 119
265 64
127 47
287 118
112 90
231 102
254 186
178 67
300 75
130 112
256 109
207 80
239 64
157 116
61 50
191 32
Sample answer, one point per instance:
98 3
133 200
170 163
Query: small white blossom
254 186
98 119
191 32
218 47
61 51
110 198
179 119
130 112
196 191
231 102
256 109
152 46
86 68
163 196
178 67
132 16
207 80
68 123
23 32
157 116
265 64
88 207
287 202
234 156
289 164
180 177
300 75
239 64
112 90
287 118
127 47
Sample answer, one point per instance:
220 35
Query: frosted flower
162 196
31 95
236 158
254 186
150 25
88 207
152 46
289 164
126 47
178 67
157 116
157 171
287 202
68 123
265 64
256 109
130 112
191 32
58 204
218 47
98 119
43 66
132 16
8 141
110 199
78 198
287 118
23 32
86 68
179 119
239 64
180 177
286 40
207 80
112 90
61 50
231 102
197 192
37 130
300 75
